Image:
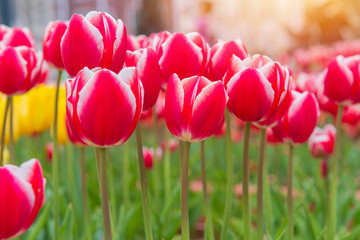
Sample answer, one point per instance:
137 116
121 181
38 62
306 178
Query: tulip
21 197
49 149
146 63
267 81
111 122
96 40
193 111
15 37
3 30
44 73
221 54
54 31
300 120
194 107
351 120
149 156
342 80
184 54
321 141
62 136
20 69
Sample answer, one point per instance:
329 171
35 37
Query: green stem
55 162
260 214
209 222
333 177
102 176
245 183
156 165
71 181
11 137
83 193
143 183
181 153
290 228
167 167
8 101
267 197
185 231
125 174
229 178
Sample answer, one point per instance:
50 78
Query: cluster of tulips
118 80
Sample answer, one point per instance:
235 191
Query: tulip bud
342 80
49 149
21 197
258 89
299 120
54 31
146 63
96 40
103 108
16 37
321 141
221 54
20 69
194 107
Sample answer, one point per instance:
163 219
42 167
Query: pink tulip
194 107
49 150
3 30
258 89
321 141
146 63
342 80
299 120
21 197
96 40
221 54
44 73
351 120
54 31
103 108
20 69
16 37
149 156
184 54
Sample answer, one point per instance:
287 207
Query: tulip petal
174 103
119 48
208 111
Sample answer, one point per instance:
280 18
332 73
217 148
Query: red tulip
49 150
20 69
299 120
258 89
103 108
96 40
54 31
15 37
149 156
221 54
321 141
44 73
351 120
194 107
132 43
3 30
146 63
186 55
342 80
21 197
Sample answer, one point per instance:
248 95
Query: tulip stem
83 193
229 178
267 195
156 162
290 228
181 153
185 231
125 174
8 101
102 176
260 214
333 177
143 184
11 137
245 183
55 163
167 166
71 182
209 223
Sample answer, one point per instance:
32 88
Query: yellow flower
62 136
